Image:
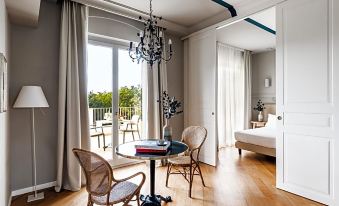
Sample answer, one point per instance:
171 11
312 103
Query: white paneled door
307 98
200 89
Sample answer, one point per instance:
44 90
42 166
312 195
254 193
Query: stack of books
152 147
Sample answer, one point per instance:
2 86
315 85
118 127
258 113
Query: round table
127 150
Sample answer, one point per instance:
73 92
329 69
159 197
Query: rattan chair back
97 171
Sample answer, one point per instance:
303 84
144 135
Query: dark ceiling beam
233 12
261 26
230 8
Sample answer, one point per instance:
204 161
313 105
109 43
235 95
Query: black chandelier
152 43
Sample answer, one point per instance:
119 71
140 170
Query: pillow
271 121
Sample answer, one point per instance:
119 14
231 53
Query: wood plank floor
248 180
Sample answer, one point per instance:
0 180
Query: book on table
152 147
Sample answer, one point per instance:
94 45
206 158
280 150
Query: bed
259 140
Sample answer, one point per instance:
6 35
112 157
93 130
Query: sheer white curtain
233 93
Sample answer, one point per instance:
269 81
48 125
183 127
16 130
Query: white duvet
264 136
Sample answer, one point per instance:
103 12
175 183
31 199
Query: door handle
279 117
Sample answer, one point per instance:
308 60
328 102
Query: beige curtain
248 90
73 129
150 108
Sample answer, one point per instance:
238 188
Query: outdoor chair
98 131
130 126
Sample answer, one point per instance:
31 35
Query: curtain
248 89
73 129
233 102
150 108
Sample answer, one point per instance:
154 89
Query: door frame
116 45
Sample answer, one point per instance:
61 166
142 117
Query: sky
100 68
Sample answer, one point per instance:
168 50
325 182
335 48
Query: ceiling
23 12
183 12
248 36
182 16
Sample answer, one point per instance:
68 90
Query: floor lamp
32 97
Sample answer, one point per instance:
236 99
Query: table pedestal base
154 200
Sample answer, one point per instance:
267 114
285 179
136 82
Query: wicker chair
188 165
102 187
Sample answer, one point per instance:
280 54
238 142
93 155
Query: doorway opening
246 70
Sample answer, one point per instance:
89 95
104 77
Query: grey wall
263 66
111 25
35 61
4 134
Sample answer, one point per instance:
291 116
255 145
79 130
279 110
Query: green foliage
100 99
128 97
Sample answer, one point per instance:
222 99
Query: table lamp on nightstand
32 97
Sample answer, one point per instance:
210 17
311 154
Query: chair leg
133 136
138 198
200 174
138 131
169 167
239 150
123 137
89 203
191 182
104 140
99 141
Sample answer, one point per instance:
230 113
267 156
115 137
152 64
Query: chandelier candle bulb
160 34
170 41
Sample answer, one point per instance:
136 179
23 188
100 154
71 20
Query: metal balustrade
126 113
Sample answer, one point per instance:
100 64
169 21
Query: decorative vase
260 116
167 131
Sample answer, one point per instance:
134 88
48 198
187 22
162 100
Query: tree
128 97
100 99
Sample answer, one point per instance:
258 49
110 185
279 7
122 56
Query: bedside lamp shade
31 97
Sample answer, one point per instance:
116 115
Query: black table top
128 150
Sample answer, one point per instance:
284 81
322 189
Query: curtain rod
227 45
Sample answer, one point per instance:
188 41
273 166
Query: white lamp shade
31 97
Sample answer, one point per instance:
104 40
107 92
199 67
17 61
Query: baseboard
9 200
30 189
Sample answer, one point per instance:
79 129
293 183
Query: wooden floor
237 181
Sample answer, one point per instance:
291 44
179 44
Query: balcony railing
96 114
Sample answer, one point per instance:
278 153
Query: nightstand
257 124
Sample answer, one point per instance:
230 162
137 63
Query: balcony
101 129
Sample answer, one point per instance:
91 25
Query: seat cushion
182 160
118 193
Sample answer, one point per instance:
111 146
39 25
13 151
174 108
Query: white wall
263 66
4 136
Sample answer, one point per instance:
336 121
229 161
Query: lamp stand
36 195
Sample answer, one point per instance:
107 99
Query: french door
114 87
307 98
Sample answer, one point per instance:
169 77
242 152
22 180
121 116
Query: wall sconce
267 82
